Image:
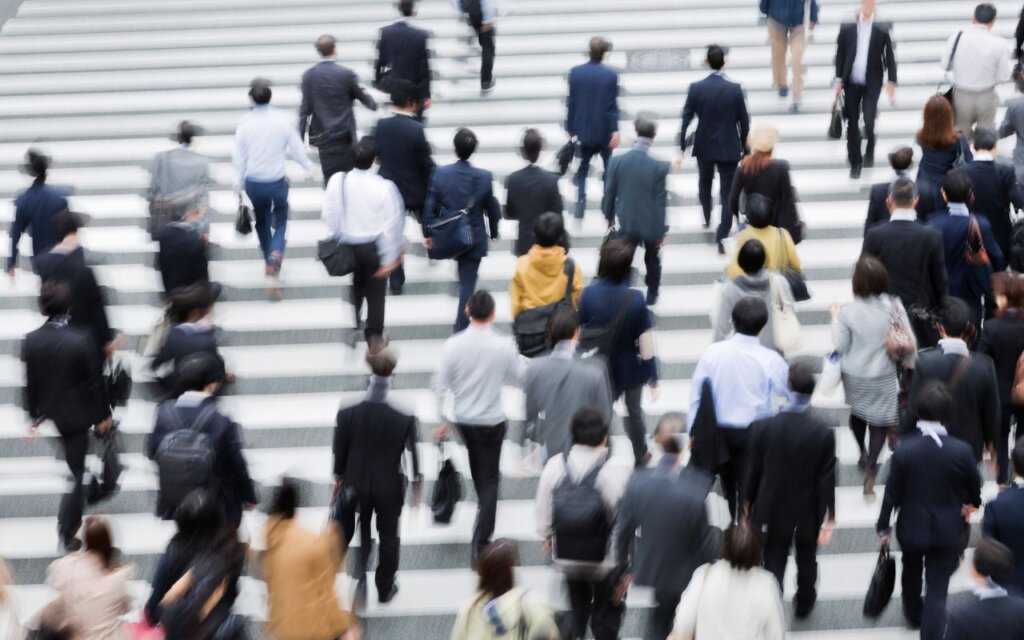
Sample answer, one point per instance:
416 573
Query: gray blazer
1013 123
177 173
556 387
635 192
859 335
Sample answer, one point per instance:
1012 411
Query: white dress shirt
475 364
371 210
982 59
264 139
859 72
749 381
905 215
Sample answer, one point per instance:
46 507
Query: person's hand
113 345
834 311
417 492
547 545
967 511
310 176
336 489
426 103
249 506
355 632
890 90
825 535
883 537
622 589
812 25
33 430
427 243
104 425
489 26
655 392
839 88
614 142
662 241
442 432
677 164
387 269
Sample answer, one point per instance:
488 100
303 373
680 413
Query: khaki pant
779 35
975 107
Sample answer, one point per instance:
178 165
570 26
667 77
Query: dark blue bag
450 233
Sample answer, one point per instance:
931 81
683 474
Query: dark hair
985 139
616 260
68 222
903 192
259 91
676 418
599 48
533 142
751 256
97 539
382 362
364 153
495 565
956 317
480 305
548 229
934 401
901 158
37 163
54 299
199 370
937 130
741 547
749 316
957 186
325 45
759 211
184 300
465 143
993 559
589 427
645 127
1018 456
404 93
197 517
186 131
286 499
563 325
870 277
716 57
801 379
407 7
985 13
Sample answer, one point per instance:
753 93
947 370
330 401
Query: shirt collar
906 215
932 429
643 144
984 156
402 113
377 390
480 328
260 108
993 590
565 349
864 22
667 462
798 403
191 399
958 209
954 346
745 339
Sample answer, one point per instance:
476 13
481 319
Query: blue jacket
954 238
35 211
598 305
722 119
635 192
788 12
592 106
452 187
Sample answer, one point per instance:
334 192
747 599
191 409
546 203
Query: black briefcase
565 156
835 127
882 584
243 219
447 490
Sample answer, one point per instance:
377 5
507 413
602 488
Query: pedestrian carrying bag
337 257
580 522
243 218
450 234
531 326
785 324
835 127
185 457
447 490
883 581
602 341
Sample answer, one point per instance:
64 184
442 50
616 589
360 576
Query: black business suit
328 91
791 501
992 618
929 484
995 189
530 192
1002 339
369 442
667 506
914 257
182 256
182 341
878 206
863 98
1004 521
88 305
64 383
402 54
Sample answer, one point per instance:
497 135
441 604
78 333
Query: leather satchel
243 219
450 234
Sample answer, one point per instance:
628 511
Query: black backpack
581 523
184 459
531 326
602 341
1016 257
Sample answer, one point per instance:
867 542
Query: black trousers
805 543
1004 443
876 436
733 472
705 177
937 566
860 99
652 263
483 446
486 40
634 424
397 277
591 604
659 625
335 158
366 286
69 516
388 510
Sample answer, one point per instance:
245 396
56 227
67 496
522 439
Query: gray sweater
859 335
757 285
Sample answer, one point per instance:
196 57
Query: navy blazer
88 304
456 185
529 192
35 210
405 157
722 119
402 53
328 91
1004 521
954 237
995 189
592 108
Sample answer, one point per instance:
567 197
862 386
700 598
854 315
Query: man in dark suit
990 612
1004 520
859 78
405 157
900 159
970 375
970 283
529 192
480 15
720 140
402 54
369 443
64 384
794 504
913 256
935 485
592 114
328 91
995 187
666 505
182 256
452 188
636 194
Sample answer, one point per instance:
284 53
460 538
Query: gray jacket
1013 123
859 335
758 286
635 192
179 173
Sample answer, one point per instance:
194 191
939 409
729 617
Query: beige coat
93 598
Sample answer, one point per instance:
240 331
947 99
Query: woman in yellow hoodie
540 277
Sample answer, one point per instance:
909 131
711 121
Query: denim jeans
270 208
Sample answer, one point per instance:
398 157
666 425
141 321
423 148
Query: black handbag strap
570 275
620 316
952 54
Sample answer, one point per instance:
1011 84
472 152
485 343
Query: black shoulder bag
336 256
531 326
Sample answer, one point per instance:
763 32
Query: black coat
64 378
878 208
369 441
773 183
668 509
182 341
722 119
971 618
402 53
405 157
182 257
785 495
995 189
1004 521
881 58
88 305
328 91
929 485
913 255
1002 339
529 192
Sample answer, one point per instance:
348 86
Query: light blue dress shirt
263 141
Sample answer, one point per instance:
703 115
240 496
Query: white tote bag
831 374
785 324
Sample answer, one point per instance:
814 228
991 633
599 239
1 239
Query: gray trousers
975 108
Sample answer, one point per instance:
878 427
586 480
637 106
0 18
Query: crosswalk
100 83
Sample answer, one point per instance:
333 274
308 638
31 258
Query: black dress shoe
855 172
71 544
389 595
396 291
652 299
721 248
486 87
802 609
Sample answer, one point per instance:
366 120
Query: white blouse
717 593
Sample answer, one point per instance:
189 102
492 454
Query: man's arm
493 209
340 446
30 392
391 244
358 93
611 189
381 62
331 212
1012 190
995 254
237 466
305 107
423 154
889 55
689 110
411 438
814 13
612 108
91 361
18 226
972 477
947 53
570 106
755 462
840 54
425 76
696 387
893 494
989 402
297 150
827 479
441 383
743 119
542 503
239 157
625 527
937 269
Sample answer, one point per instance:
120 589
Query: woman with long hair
942 147
760 173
